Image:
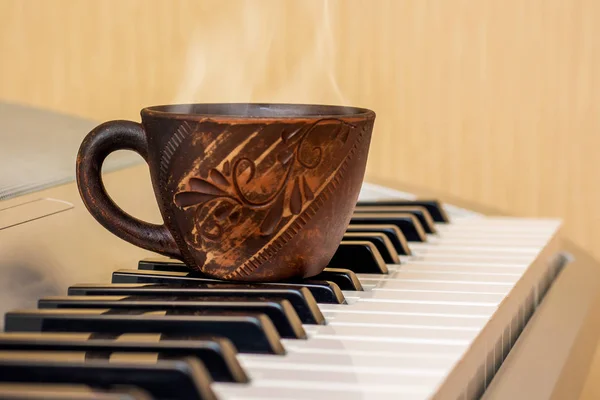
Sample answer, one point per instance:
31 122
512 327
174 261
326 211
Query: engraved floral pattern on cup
222 200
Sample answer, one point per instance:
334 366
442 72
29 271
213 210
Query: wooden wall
495 102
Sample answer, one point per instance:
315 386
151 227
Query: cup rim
329 111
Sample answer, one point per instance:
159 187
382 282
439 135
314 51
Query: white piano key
482 237
458 267
489 225
454 268
386 286
432 272
386 282
468 256
367 349
490 242
474 262
350 374
492 221
517 234
344 360
450 277
371 191
351 300
428 358
440 247
494 230
425 248
480 264
404 332
357 317
390 345
424 309
294 390
497 230
432 326
427 297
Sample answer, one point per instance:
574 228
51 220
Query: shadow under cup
248 192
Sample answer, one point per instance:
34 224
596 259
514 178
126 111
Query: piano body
473 305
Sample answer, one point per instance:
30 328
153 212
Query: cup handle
96 146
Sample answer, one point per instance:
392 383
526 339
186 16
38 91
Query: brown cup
248 192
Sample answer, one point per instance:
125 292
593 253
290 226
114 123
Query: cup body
257 192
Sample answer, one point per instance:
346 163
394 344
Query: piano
426 298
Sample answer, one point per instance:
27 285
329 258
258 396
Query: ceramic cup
247 192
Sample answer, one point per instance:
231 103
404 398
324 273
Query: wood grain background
494 102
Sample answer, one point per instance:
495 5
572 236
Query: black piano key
166 264
13 391
249 332
437 212
216 353
383 244
344 278
392 232
420 213
173 379
322 291
407 223
360 257
301 298
281 312
162 264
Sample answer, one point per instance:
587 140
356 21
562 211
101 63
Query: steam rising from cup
239 58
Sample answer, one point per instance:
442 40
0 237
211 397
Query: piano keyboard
421 301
